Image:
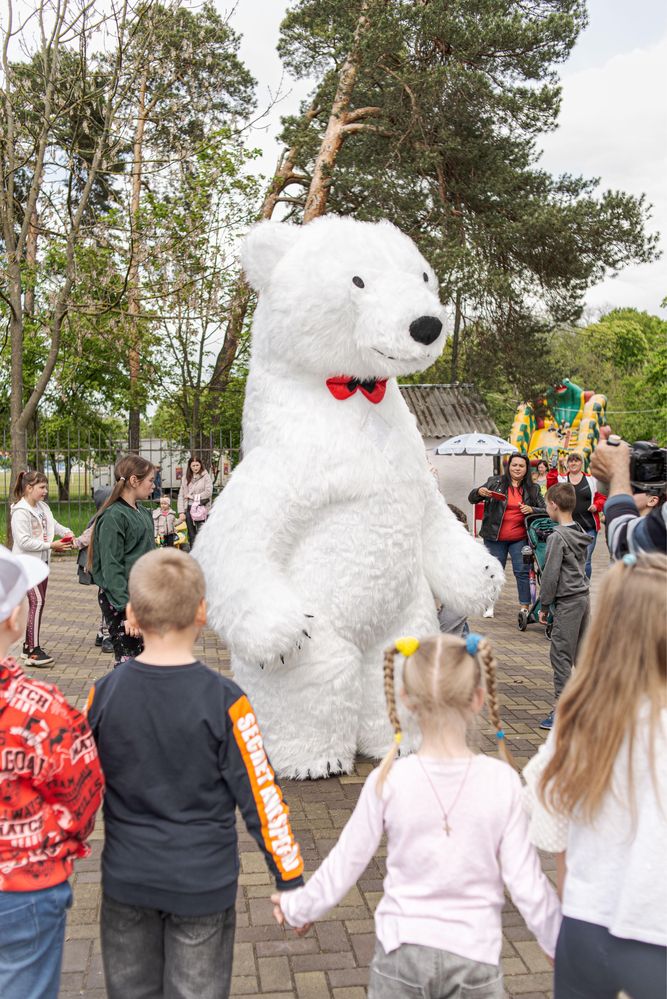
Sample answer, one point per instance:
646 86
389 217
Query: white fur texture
333 511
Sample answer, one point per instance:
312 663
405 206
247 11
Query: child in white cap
51 787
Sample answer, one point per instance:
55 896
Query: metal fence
78 464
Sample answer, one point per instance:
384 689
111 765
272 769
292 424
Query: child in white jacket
34 529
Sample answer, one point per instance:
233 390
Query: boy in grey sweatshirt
564 586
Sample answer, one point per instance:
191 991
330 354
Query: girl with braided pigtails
456 835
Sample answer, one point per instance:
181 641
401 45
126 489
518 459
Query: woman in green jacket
122 533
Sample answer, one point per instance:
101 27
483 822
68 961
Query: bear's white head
342 297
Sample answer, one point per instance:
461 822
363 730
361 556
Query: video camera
648 468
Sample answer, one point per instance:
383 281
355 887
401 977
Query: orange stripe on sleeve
89 702
272 810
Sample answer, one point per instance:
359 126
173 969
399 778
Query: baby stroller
538 528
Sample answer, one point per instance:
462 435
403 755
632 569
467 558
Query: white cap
18 574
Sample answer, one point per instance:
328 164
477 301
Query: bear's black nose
426 329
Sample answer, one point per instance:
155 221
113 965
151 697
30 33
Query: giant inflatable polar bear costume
331 538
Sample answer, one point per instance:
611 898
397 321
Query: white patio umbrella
475 444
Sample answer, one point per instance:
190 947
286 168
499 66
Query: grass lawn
79 485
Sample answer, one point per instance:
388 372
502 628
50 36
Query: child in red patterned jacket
50 789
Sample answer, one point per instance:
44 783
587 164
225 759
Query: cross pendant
447 827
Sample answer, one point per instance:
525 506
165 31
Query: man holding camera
637 480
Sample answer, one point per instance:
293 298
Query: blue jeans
32 934
593 535
500 550
149 954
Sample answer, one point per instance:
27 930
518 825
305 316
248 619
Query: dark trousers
149 954
194 527
592 964
124 646
570 620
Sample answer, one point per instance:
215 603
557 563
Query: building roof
445 410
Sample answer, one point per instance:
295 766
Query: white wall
455 473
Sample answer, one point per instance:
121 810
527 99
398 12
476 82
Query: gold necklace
445 814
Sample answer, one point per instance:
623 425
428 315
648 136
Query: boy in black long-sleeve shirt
180 748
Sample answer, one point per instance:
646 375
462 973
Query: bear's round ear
263 247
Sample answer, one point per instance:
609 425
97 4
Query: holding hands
279 916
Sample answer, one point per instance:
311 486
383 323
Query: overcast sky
613 122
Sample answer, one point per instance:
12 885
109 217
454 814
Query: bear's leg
308 708
375 732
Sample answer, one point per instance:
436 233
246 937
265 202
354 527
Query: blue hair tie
472 643
629 559
500 734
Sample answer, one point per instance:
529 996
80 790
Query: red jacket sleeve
72 782
552 477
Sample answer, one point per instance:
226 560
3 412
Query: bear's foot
315 769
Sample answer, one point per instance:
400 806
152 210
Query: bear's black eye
425 276
359 283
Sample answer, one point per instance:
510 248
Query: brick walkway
332 961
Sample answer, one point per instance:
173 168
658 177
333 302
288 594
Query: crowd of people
171 748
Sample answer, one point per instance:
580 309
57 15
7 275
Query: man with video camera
637 478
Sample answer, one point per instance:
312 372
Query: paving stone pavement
332 961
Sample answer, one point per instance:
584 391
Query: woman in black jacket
503 527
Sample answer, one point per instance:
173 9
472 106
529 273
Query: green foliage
455 96
624 356
189 273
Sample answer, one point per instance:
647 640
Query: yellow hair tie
398 738
407 646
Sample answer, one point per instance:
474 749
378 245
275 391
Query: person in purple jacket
456 836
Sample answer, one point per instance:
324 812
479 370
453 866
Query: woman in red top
503 527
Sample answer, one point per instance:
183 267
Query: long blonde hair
441 675
621 667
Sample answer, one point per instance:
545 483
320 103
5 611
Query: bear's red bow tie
342 388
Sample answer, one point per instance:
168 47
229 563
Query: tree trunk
335 134
133 290
31 264
240 299
62 483
17 432
455 337
341 123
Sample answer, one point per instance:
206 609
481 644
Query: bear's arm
243 550
461 573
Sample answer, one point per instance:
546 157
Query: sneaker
99 640
107 645
37 657
488 612
547 723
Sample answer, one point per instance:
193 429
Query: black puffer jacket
494 509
